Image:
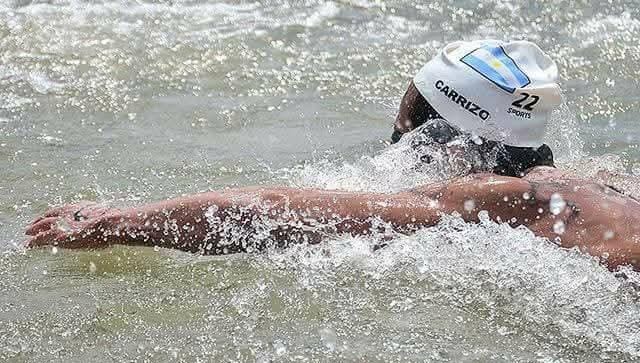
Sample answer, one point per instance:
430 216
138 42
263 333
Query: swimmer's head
499 91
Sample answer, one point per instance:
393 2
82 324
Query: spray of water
525 282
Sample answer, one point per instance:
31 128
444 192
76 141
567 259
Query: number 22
528 106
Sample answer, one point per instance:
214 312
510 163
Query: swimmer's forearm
181 223
222 222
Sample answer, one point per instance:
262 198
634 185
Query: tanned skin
597 219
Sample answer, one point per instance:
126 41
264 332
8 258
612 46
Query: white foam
527 281
322 13
42 84
392 170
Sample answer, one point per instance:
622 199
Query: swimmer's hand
81 225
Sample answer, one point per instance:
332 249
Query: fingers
41 225
48 237
66 210
53 212
46 230
66 239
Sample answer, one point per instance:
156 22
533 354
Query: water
132 101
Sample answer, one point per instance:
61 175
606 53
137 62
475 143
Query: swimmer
488 99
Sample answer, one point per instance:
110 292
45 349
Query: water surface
125 102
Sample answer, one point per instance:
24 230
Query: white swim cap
502 91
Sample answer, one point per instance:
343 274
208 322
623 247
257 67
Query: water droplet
526 196
329 338
92 267
469 205
174 352
156 248
502 330
556 204
608 234
62 225
280 348
211 212
559 227
54 250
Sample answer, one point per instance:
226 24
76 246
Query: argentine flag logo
495 65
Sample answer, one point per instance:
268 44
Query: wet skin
597 219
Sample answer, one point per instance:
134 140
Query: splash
513 277
321 14
412 162
517 280
563 136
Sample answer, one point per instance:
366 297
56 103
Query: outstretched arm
234 220
239 220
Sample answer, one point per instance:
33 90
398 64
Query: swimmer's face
414 111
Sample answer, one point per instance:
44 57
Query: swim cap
502 91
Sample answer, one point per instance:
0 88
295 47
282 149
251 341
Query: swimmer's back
600 219
552 204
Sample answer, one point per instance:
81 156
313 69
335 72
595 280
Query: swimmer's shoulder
548 180
484 186
549 174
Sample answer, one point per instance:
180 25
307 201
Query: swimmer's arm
208 222
505 199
